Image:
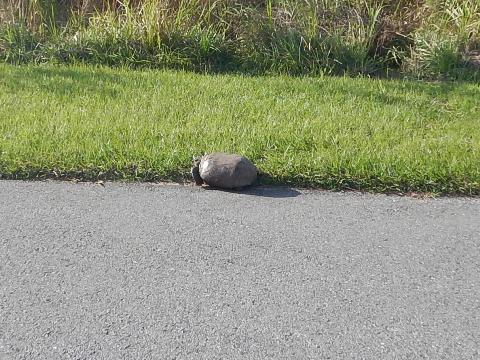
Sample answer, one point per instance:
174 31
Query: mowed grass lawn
378 135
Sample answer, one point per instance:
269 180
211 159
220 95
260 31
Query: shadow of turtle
265 186
262 191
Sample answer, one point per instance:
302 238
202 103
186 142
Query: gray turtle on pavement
228 171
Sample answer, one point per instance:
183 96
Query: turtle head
196 160
196 171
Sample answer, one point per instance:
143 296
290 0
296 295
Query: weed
424 38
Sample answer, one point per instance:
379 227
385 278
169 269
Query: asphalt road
173 272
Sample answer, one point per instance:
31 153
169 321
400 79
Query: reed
423 38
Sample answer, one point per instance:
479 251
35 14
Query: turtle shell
227 171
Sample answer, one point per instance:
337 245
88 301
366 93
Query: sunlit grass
378 135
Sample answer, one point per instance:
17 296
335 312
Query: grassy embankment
332 132
434 39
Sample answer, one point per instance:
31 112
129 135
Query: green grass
427 39
331 132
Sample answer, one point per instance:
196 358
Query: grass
331 132
428 39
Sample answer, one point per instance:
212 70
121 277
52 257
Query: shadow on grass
71 81
63 81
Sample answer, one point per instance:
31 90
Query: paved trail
171 272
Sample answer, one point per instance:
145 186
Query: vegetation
419 38
90 122
334 132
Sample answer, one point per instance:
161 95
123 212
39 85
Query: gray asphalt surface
172 272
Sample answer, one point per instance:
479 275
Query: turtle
220 170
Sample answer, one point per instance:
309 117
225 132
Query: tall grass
442 45
425 38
